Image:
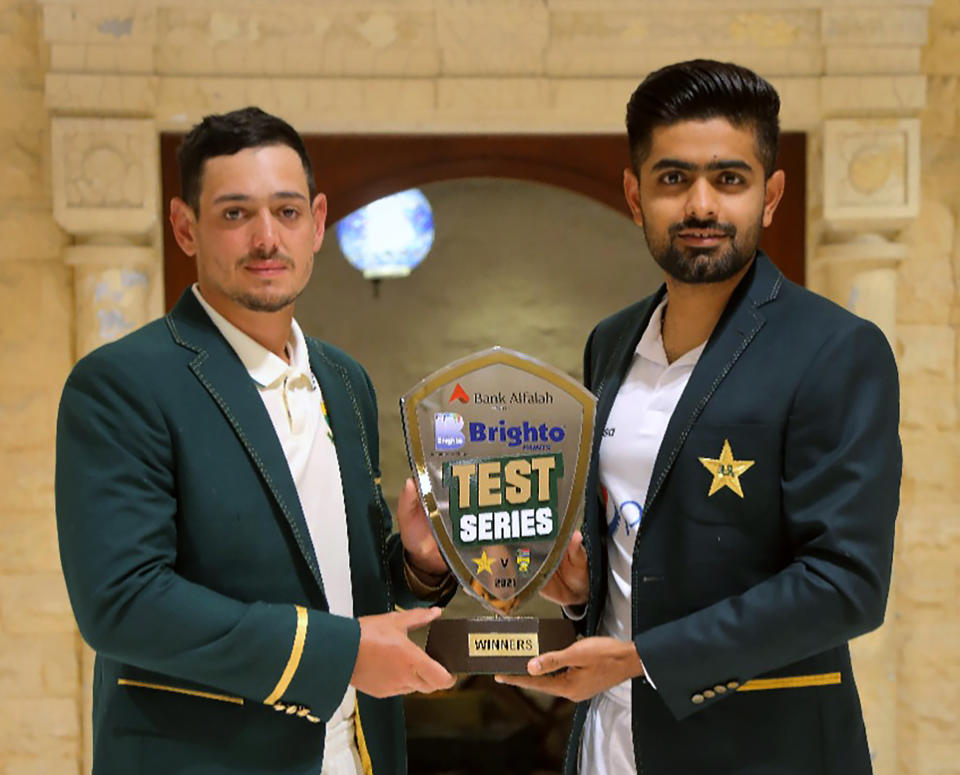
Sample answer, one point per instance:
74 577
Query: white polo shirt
292 397
631 440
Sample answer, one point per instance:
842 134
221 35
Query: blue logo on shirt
629 513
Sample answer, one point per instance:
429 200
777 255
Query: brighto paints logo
447 431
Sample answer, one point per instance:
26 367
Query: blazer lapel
736 329
356 467
229 384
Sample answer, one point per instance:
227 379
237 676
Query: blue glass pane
389 237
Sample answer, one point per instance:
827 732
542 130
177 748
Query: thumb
415 618
575 551
549 662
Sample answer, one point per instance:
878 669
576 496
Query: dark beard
255 304
705 265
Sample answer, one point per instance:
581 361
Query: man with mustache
223 534
740 510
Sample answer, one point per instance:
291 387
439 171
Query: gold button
709 694
313 719
291 709
697 699
304 711
720 689
279 706
733 684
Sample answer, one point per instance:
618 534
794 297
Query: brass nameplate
503 644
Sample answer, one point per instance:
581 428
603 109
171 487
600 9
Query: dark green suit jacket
742 607
189 566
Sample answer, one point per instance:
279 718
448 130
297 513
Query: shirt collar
650 345
265 367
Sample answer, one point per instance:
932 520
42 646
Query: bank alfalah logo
459 394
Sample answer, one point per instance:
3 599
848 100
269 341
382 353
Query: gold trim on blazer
365 761
790 682
179 690
299 639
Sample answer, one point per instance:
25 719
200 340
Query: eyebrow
719 164
244 198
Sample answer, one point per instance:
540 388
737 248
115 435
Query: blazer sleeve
116 505
840 492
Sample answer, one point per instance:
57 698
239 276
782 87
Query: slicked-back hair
228 133
700 90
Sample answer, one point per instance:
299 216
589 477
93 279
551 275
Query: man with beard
740 510
222 530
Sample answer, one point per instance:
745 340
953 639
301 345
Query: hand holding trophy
500 445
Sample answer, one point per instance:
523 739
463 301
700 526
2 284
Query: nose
701 201
264 236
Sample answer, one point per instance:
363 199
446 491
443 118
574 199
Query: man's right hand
570 585
389 663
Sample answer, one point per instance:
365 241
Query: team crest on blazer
726 470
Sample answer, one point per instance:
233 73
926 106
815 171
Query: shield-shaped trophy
500 446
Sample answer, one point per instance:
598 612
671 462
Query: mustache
275 255
695 224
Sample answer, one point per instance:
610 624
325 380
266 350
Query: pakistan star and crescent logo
484 563
726 471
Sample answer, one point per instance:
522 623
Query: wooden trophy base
489 645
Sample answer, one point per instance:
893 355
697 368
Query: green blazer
742 606
189 566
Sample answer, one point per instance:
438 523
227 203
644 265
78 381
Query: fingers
548 684
415 618
550 662
576 554
431 676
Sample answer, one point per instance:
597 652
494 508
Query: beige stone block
35 603
931 461
110 95
101 58
940 57
19 37
28 235
43 764
858 95
30 472
873 60
39 665
925 290
928 403
927 352
23 159
47 728
872 26
491 38
567 60
29 413
23 110
38 298
106 21
29 541
940 115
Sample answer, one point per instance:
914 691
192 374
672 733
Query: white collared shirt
631 440
294 402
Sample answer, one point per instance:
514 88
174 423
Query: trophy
500 447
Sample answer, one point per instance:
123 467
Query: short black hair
699 90
228 133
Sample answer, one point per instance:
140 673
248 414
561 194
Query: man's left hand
592 665
417 537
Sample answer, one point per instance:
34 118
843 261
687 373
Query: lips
267 268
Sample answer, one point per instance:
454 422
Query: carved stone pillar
871 191
105 189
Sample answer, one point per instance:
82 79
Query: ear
631 190
184 223
773 193
319 211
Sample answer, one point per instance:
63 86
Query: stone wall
115 70
928 314
39 664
